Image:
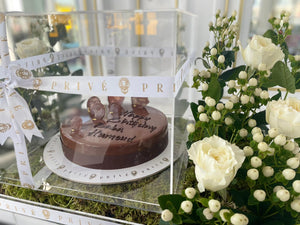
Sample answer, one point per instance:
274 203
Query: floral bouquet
244 144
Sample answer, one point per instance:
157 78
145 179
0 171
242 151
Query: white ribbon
16 122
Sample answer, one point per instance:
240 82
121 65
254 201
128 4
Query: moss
93 198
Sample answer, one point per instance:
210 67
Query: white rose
261 50
30 47
216 162
285 116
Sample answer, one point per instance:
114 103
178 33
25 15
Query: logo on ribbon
124 85
28 125
24 74
4 127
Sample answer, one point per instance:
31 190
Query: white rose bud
264 95
271 151
196 72
166 215
252 82
258 137
229 105
295 205
239 219
297 57
216 115
234 13
210 101
221 59
200 108
283 195
256 162
190 192
202 73
260 195
290 146
207 44
293 162
203 117
273 132
219 22
243 75
253 174
280 140
262 67
210 24
257 91
204 86
228 121
252 123
222 212
252 100
234 99
268 171
263 146
214 205
214 69
225 20
296 186
220 106
256 130
231 84
208 214
278 188
289 174
248 151
213 51
285 19
186 206
34 110
245 99
244 88
243 132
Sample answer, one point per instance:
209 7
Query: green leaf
281 76
194 108
229 58
260 117
272 35
214 89
277 96
252 200
232 74
297 78
285 50
203 201
175 200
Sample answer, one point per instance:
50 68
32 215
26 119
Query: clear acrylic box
138 55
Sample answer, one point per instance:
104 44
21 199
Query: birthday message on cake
114 130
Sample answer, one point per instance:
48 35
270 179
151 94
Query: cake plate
56 161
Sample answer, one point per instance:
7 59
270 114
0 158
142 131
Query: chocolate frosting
137 136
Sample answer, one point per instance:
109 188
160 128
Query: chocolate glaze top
135 127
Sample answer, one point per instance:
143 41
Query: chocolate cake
117 136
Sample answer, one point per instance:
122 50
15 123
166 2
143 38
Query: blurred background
253 14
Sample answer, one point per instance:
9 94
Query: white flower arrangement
243 151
